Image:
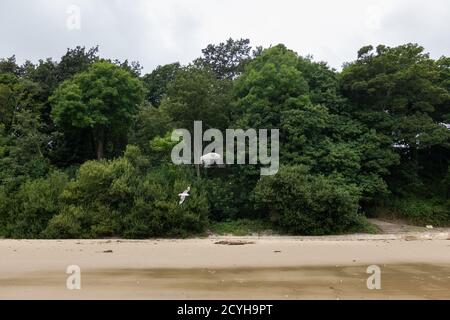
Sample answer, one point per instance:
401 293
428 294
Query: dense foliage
85 142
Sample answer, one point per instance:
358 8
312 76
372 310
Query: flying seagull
184 194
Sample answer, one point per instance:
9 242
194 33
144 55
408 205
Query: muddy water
418 281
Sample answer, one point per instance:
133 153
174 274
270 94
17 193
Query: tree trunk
197 170
99 136
100 150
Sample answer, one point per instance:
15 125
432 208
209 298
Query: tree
9 65
270 85
25 141
149 123
401 93
17 94
227 59
401 82
323 83
133 67
196 94
103 99
76 60
156 82
300 97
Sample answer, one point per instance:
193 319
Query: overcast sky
165 31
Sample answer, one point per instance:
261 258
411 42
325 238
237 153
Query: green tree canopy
196 94
403 94
103 99
156 82
226 59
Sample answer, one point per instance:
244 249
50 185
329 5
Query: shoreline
267 267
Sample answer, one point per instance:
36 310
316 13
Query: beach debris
234 242
277 251
108 251
429 227
184 194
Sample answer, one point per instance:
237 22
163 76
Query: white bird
445 125
210 159
184 194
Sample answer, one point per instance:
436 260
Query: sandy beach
412 267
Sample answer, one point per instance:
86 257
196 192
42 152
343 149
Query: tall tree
196 94
400 92
76 60
156 82
103 99
226 59
300 97
9 65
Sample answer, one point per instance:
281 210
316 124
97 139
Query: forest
85 143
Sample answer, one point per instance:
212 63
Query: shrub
4 210
241 227
156 211
221 198
301 203
120 198
420 211
33 205
65 225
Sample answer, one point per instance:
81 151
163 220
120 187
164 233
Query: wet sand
266 268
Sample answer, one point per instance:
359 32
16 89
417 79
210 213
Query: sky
165 31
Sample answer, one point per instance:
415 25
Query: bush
301 203
120 198
241 227
33 205
4 210
66 224
156 211
221 198
419 211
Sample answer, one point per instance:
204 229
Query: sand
264 268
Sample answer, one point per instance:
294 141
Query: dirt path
398 227
265 268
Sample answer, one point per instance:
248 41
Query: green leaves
301 203
104 99
124 198
34 204
156 82
227 60
105 95
196 94
404 95
377 130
